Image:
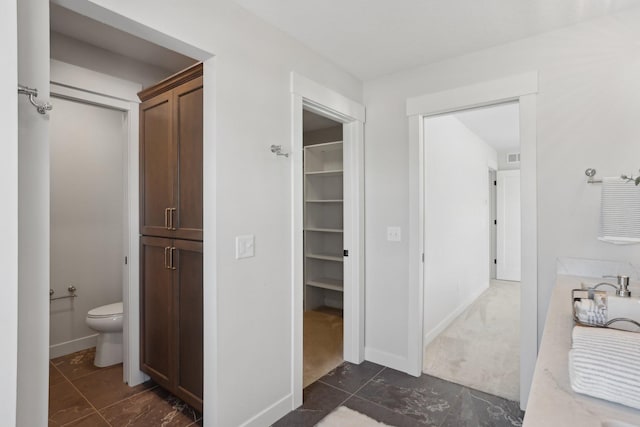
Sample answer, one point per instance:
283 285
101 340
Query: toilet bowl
107 321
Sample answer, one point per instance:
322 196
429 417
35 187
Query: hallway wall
456 220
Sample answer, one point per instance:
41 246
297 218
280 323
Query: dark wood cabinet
171 157
171 309
171 315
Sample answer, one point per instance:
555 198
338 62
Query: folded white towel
603 363
620 212
591 313
609 385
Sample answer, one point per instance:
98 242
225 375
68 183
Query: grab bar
72 294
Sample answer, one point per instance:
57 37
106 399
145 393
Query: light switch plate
394 234
245 246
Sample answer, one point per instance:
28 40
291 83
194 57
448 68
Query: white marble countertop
552 402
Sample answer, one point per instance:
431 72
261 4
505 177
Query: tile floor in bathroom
401 400
81 394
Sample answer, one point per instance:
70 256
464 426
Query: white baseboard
68 347
271 414
440 327
389 360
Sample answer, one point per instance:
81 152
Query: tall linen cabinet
171 310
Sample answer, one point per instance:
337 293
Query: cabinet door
188 185
188 277
157 165
157 349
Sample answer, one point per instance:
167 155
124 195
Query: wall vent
513 158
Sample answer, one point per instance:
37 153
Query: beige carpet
481 348
345 417
323 330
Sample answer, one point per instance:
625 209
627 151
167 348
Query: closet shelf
325 146
324 230
327 283
336 172
324 201
325 257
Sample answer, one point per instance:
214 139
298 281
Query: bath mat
345 417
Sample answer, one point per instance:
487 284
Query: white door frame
89 87
314 97
522 88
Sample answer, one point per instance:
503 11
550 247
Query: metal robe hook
277 150
33 93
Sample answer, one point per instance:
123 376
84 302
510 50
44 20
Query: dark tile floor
401 400
81 394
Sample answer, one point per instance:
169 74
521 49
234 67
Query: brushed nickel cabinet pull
173 250
166 218
173 210
166 264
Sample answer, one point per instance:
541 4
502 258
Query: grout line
354 393
370 379
129 397
90 404
79 419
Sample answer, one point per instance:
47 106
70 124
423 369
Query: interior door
157 350
32 210
509 230
157 165
187 259
188 186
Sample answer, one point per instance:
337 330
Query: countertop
552 402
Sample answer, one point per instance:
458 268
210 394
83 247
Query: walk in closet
323 246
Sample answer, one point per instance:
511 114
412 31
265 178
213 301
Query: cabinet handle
173 250
166 218
172 211
166 251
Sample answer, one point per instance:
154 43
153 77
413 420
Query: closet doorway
328 232
324 251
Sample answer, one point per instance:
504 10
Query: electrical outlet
245 246
394 234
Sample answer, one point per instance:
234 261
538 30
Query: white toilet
107 320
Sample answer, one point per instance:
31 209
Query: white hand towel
620 215
603 363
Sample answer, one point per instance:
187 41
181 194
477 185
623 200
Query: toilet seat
109 310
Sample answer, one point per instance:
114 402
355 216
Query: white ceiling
498 126
371 38
80 27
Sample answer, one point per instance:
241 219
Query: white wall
87 195
9 215
457 162
76 52
248 344
587 112
33 211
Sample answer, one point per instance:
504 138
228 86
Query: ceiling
95 33
498 126
372 38
313 121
